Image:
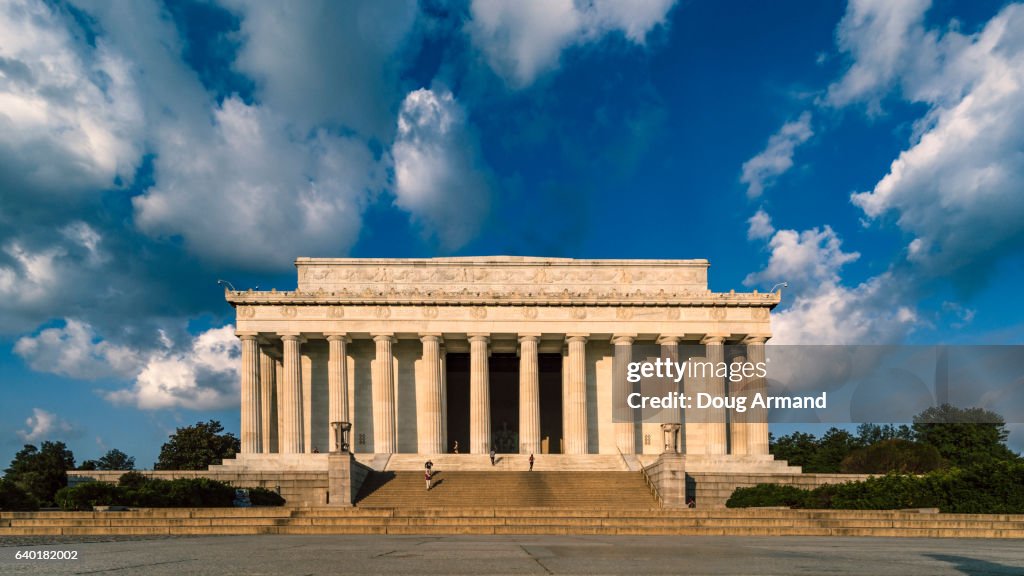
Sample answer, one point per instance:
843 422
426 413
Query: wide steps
507 489
522 521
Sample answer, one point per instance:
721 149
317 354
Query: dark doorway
504 380
550 402
458 401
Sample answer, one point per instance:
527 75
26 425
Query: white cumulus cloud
70 118
521 40
957 188
43 425
74 350
777 158
760 226
247 191
203 376
439 176
818 307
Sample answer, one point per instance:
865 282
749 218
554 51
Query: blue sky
868 153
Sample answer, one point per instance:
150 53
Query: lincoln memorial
512 353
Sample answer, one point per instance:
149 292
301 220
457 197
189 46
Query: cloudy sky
871 154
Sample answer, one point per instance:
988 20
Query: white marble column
383 374
444 398
716 429
529 395
252 437
670 349
292 443
268 412
625 432
738 420
479 395
757 427
337 384
576 396
430 398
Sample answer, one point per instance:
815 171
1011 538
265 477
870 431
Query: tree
197 447
115 460
964 436
868 434
797 448
43 471
892 455
833 448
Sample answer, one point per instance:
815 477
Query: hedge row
995 488
134 489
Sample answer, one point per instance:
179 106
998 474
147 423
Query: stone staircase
495 488
481 521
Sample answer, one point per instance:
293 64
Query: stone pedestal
668 473
339 479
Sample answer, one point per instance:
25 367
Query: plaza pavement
495 555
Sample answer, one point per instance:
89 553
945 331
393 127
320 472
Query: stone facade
369 341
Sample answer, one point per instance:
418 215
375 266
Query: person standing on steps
426 474
428 465
492 456
455 448
531 462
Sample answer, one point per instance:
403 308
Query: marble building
514 353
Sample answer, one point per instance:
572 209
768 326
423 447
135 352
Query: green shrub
13 498
991 488
894 455
264 497
132 480
142 492
766 495
85 496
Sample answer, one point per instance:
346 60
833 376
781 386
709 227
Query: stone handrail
652 486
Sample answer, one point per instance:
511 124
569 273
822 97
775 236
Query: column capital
430 337
756 339
524 337
576 337
623 339
335 336
389 337
246 335
669 339
291 337
478 337
713 339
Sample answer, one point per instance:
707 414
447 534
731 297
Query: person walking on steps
531 462
492 456
426 474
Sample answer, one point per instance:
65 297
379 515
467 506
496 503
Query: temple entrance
503 375
504 379
458 401
550 366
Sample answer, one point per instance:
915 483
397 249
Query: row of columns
749 434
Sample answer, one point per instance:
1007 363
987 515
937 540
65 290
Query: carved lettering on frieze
336 312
